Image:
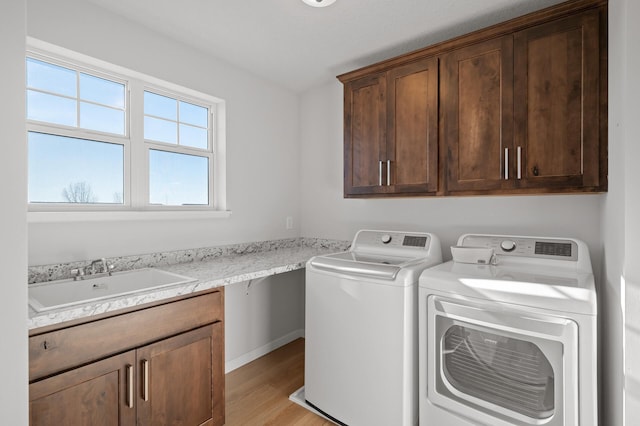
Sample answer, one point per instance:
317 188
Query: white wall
613 228
13 226
259 320
631 270
262 130
326 213
262 145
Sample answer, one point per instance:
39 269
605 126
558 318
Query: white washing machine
512 342
361 328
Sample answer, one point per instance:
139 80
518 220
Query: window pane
193 114
178 179
100 118
51 78
160 106
51 108
102 91
193 136
70 170
159 130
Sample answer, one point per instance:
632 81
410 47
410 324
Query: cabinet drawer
63 349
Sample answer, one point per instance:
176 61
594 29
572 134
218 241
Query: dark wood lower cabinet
176 379
94 395
178 382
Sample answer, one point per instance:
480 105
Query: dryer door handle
500 319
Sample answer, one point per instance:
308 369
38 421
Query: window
67 97
105 138
71 170
177 133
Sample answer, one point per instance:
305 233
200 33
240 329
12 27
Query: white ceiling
298 46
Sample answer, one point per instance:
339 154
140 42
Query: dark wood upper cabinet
391 131
412 128
365 134
477 115
557 114
519 107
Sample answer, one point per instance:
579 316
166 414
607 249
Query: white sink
63 293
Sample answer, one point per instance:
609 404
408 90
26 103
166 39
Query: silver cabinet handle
145 379
506 164
519 157
129 373
388 172
380 173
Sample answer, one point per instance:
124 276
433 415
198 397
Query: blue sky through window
177 179
52 97
57 163
172 121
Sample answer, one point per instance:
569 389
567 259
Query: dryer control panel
547 248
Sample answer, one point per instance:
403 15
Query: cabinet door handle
129 374
519 158
506 164
380 173
388 172
145 380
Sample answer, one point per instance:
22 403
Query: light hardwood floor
258 393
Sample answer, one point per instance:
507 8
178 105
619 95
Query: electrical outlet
289 222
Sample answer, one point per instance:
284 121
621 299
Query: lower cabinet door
180 379
100 393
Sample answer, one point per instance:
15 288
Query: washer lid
528 285
363 264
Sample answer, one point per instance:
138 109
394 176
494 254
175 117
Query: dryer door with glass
497 364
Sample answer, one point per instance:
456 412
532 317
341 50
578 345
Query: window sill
113 216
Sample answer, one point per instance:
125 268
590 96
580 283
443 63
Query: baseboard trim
262 350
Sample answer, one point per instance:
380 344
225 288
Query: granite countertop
211 267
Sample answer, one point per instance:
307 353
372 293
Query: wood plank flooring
258 393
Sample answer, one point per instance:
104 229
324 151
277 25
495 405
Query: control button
386 239
508 245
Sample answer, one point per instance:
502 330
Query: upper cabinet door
365 135
412 123
477 115
557 114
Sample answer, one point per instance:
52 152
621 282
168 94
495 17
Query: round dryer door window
511 373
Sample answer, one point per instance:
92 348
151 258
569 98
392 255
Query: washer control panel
548 248
391 241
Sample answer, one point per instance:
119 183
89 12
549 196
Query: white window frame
136 204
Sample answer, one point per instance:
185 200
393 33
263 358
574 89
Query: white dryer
361 328
512 342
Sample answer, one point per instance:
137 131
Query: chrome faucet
92 271
103 262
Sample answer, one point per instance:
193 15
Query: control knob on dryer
386 239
